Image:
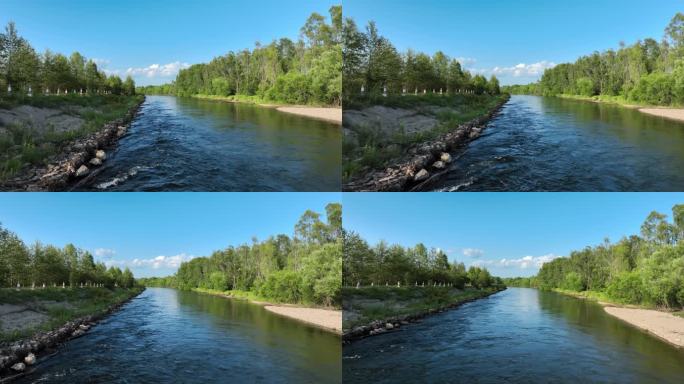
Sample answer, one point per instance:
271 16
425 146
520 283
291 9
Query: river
554 144
520 335
166 336
187 144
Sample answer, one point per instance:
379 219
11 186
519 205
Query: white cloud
162 261
100 62
466 61
473 252
105 252
522 69
527 261
157 70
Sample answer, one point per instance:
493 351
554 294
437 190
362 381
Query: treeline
306 268
645 72
372 62
46 264
308 71
646 269
385 264
22 68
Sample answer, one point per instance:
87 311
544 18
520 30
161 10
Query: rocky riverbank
78 159
393 323
16 357
423 162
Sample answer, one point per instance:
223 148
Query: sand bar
329 114
325 318
662 324
668 113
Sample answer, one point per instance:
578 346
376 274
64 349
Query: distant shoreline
670 113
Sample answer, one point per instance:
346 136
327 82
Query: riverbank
371 311
671 113
36 321
52 143
404 144
330 114
325 318
664 325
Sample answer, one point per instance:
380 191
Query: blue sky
158 229
509 233
488 34
140 34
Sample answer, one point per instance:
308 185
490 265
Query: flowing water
169 336
186 144
520 335
553 144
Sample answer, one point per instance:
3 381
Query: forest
308 71
24 71
640 269
38 264
646 72
373 67
305 268
393 265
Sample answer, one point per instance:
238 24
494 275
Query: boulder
84 327
82 171
445 157
421 175
100 154
30 359
19 367
439 164
389 326
77 333
95 161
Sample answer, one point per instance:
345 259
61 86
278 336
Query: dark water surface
553 144
520 335
185 144
169 336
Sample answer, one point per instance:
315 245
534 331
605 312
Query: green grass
235 293
250 99
617 100
75 303
374 149
21 145
380 303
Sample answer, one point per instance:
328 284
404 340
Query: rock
121 131
438 164
389 326
421 175
19 367
100 154
77 333
404 322
95 161
445 157
84 327
82 171
30 359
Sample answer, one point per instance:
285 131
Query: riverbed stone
19 367
438 164
100 154
445 157
82 171
389 326
30 359
421 175
95 161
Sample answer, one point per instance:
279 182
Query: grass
372 148
380 303
22 145
235 293
68 304
617 100
251 99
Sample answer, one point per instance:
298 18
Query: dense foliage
645 72
306 268
386 264
21 67
372 62
646 269
308 71
46 264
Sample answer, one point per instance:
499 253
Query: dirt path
325 318
664 325
329 114
668 113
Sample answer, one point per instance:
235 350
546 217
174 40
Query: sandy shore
668 113
664 325
325 318
329 114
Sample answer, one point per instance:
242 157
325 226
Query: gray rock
389 326
82 171
438 164
95 161
421 175
30 359
100 154
19 367
445 157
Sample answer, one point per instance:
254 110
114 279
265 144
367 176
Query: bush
283 286
627 287
573 282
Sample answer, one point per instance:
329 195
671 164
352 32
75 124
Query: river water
186 144
169 336
520 335
553 144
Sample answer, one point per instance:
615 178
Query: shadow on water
516 336
169 336
554 144
185 144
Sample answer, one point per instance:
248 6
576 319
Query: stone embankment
424 162
78 159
